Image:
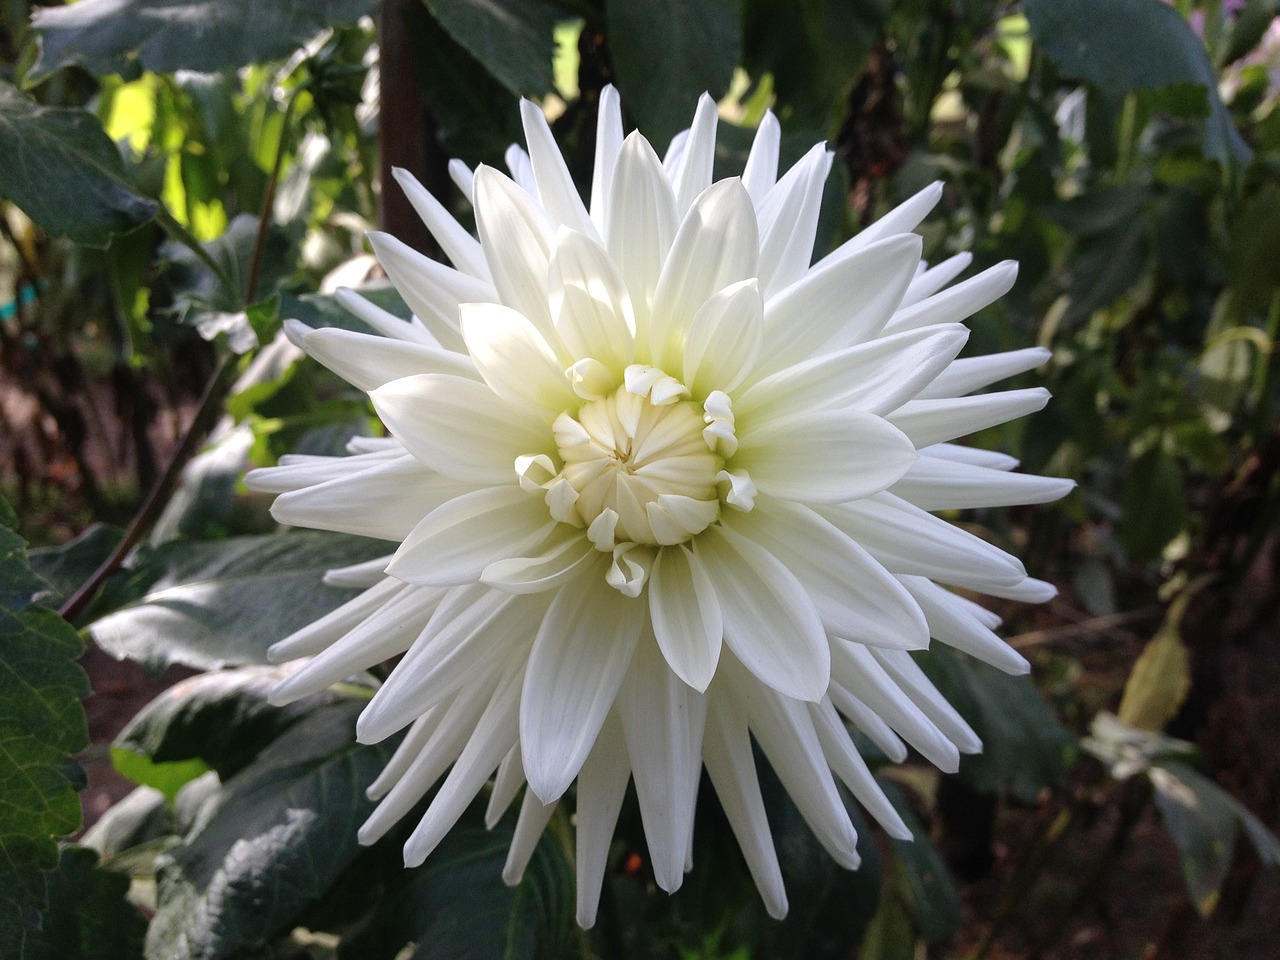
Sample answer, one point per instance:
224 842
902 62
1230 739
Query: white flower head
660 487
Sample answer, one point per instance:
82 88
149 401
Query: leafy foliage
41 725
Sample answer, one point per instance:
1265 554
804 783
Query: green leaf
223 602
515 39
64 172
169 778
41 725
221 718
1024 747
124 36
1154 504
88 917
1121 46
68 566
918 868
1203 823
1158 682
669 52
278 835
1255 275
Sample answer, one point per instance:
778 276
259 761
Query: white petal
507 783
557 563
663 722
589 302
319 634
608 144
392 498
717 244
494 734
357 576
974 373
934 484
972 456
785 732
579 659
1026 590
533 820
934 421
869 722
368 362
724 339
856 597
432 290
642 223
956 303
406 753
908 675
455 542
463 179
726 751
874 377
692 174
930 281
769 621
837 305
462 249
847 764
516 234
459 427
514 359
825 457
601 786
686 615
556 190
384 321
761 170
952 621
903 218
908 540
521 169
789 219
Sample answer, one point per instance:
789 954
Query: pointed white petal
601 786
608 145
521 169
930 281
663 722
392 497
874 377
789 219
408 751
934 484
515 360
432 290
761 170
533 820
856 597
589 302
958 302
952 621
769 621
829 456
971 456
507 782
463 179
455 542
899 665
641 224
686 615
974 373
726 751
848 765
724 339
1026 590
556 189
903 218
716 245
357 576
516 234
318 634
934 421
368 362
459 427
837 305
383 321
578 662
869 722
692 174
462 249
558 562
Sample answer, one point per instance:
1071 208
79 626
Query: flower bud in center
643 472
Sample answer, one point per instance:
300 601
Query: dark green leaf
67 567
669 52
1154 504
1247 30
929 893
279 834
221 717
1203 823
223 602
1255 273
1125 45
1106 266
123 36
88 917
1024 747
41 725
513 39
64 172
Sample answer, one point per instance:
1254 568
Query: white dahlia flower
658 487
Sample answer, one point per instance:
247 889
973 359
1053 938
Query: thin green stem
268 201
188 240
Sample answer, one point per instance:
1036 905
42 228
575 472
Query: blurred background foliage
177 177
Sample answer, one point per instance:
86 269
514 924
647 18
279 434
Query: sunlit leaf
1158 683
64 172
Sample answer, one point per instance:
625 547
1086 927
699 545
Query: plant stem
268 201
